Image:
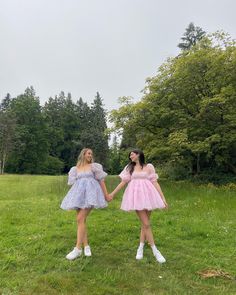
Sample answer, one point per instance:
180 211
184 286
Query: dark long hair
131 165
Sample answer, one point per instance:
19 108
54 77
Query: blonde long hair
81 159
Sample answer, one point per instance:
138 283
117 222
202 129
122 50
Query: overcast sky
84 46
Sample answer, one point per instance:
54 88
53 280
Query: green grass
196 233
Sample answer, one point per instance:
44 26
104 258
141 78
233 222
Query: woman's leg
85 241
144 217
81 230
146 232
142 234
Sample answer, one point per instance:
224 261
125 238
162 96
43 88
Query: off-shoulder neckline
140 172
146 171
84 171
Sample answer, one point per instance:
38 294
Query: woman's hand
166 205
112 195
108 198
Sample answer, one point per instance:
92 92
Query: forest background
185 122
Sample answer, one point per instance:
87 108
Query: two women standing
143 194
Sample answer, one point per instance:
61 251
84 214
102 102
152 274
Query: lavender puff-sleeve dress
141 193
86 191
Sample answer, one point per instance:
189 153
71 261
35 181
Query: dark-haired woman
143 194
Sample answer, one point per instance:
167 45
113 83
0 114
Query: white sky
84 46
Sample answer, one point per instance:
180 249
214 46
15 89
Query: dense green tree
31 147
53 114
186 119
72 129
84 114
191 36
118 157
63 128
6 102
125 116
7 132
96 136
73 126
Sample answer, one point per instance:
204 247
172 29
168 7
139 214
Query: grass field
197 233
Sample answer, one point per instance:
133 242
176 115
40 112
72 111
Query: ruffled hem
77 207
141 208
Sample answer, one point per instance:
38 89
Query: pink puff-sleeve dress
141 193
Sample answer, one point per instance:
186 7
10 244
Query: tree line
47 139
185 122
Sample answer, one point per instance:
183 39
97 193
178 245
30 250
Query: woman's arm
118 188
72 176
158 188
104 189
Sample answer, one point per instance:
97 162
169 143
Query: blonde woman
88 191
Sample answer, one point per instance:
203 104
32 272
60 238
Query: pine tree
64 130
7 132
94 136
31 147
191 36
5 104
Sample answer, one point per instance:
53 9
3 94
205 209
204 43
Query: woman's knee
81 219
146 225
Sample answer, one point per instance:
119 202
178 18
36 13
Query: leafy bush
53 166
175 170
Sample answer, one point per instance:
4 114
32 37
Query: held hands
109 197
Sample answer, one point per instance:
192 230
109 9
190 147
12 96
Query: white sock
141 245
154 248
79 249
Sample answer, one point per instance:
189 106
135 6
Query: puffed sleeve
98 171
72 175
125 175
153 176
